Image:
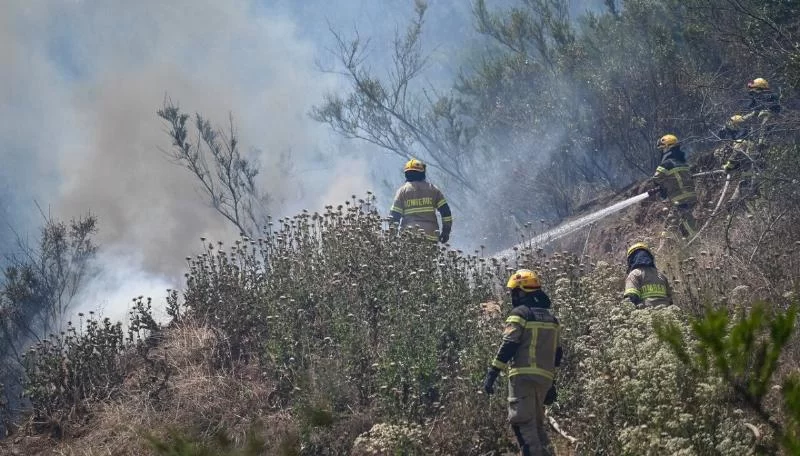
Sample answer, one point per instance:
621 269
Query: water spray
575 225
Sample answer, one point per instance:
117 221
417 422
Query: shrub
333 324
341 312
627 393
83 363
390 439
744 352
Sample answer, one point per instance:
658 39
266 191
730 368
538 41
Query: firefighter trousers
687 224
526 395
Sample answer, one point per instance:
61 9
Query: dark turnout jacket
531 340
645 285
674 178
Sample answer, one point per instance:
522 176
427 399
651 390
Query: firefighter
417 201
645 286
764 103
741 159
762 98
531 350
673 181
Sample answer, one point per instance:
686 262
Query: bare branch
226 177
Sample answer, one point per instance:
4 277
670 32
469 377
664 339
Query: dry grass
196 397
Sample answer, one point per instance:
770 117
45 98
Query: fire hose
709 173
716 208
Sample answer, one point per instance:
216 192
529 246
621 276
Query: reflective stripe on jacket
417 203
649 285
675 179
536 332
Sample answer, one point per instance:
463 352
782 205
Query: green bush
744 353
83 363
343 313
355 326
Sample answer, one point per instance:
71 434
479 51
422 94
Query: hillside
331 335
152 126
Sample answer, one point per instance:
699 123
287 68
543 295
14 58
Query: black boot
523 446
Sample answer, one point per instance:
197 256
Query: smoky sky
81 81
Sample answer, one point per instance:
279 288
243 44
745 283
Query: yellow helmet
525 280
758 83
414 165
639 246
736 119
667 142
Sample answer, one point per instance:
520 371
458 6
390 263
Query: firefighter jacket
674 178
739 154
763 101
742 158
645 285
531 340
733 132
416 203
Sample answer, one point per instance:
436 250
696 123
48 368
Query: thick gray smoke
81 83
82 79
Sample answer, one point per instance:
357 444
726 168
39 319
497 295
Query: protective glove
653 192
488 382
551 396
649 187
445 236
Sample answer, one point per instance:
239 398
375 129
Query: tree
559 107
389 113
225 175
38 290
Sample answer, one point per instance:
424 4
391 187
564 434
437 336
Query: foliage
40 284
626 393
83 363
745 352
390 439
37 292
387 113
226 176
61 372
334 292
342 314
177 444
568 105
333 324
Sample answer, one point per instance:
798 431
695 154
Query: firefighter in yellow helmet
763 105
673 181
762 98
531 351
417 201
645 286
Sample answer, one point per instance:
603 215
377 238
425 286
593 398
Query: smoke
82 80
81 84
120 278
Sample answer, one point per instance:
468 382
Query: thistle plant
348 324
